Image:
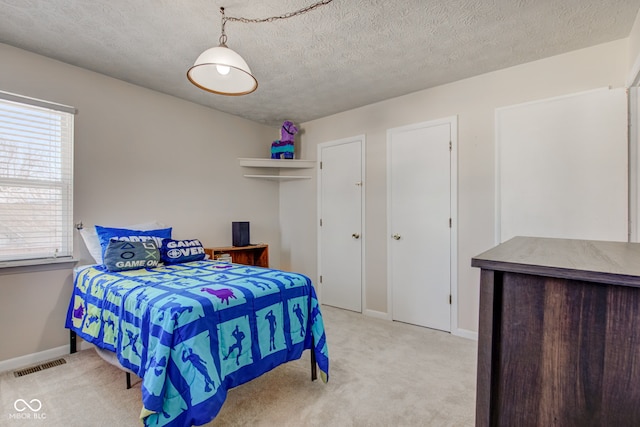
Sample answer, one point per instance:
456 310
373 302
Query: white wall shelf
279 177
277 164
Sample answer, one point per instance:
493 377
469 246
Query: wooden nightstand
257 255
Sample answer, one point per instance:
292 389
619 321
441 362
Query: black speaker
240 233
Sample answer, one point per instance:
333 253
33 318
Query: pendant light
222 71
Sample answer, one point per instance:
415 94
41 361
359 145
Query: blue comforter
192 331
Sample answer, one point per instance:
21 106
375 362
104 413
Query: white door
420 218
340 232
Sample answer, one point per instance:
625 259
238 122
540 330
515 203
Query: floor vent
41 367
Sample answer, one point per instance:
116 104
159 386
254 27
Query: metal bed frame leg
314 373
128 380
72 342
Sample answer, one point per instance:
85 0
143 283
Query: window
36 179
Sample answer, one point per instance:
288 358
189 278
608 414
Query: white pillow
92 242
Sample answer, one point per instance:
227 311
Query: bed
194 330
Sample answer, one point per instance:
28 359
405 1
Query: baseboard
465 333
42 356
33 358
377 314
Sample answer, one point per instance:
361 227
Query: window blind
36 179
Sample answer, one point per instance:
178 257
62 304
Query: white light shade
206 74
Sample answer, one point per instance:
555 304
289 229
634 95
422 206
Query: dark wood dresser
559 334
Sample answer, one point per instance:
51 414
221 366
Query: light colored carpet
381 374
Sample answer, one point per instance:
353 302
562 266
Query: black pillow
179 251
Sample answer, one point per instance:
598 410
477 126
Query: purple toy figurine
283 148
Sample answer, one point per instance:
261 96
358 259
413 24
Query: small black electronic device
240 233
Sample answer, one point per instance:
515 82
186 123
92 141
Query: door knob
355 235
396 237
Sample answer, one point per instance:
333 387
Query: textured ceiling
341 56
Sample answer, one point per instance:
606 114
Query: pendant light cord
273 18
242 81
223 36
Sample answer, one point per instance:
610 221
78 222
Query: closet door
341 216
420 224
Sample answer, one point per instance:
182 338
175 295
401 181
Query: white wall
139 156
634 52
474 101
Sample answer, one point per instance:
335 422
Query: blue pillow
122 255
105 234
178 251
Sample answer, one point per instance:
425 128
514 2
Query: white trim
634 161
454 227
462 333
633 81
41 356
362 139
465 333
497 199
14 97
378 314
38 261
634 75
33 358
453 200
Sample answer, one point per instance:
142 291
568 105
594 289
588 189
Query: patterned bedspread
192 331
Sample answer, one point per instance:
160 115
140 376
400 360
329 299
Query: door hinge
320 222
450 223
320 165
320 278
450 300
450 146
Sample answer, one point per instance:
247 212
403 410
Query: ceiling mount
222 71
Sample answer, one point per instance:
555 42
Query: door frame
363 235
633 111
452 121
